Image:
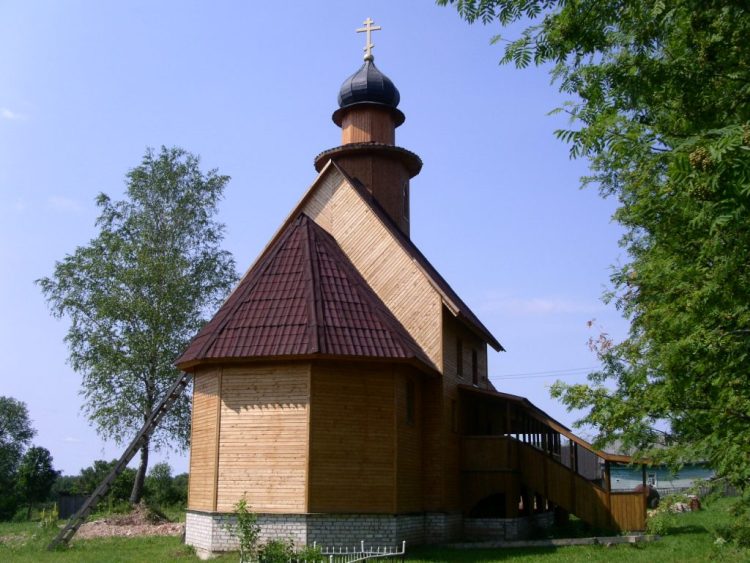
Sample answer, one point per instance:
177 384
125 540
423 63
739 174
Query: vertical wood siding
203 442
264 437
352 439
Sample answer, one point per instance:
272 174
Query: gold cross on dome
369 28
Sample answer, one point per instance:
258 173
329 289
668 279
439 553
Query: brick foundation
211 533
505 528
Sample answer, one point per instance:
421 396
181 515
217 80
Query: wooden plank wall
628 510
590 502
486 453
381 260
352 439
433 450
264 437
481 484
203 441
409 442
452 330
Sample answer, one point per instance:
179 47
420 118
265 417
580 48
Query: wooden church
342 388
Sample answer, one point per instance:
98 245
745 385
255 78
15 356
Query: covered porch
517 461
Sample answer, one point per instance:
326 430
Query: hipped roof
303 298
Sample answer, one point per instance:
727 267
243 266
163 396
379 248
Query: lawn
690 537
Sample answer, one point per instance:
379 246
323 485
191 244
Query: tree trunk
28 512
140 476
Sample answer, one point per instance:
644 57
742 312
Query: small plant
738 530
49 517
658 523
277 551
310 554
246 529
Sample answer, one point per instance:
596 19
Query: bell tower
368 115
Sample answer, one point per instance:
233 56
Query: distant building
626 478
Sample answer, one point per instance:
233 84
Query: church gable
378 256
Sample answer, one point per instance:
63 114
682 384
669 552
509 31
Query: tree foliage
36 475
90 477
16 433
139 291
659 102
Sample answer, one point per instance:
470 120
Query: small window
410 400
474 368
459 357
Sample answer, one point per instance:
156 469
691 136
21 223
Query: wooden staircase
508 465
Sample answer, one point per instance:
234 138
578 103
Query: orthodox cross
369 28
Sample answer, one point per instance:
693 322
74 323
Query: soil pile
142 521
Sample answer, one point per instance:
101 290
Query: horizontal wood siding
409 441
203 441
381 260
352 439
264 437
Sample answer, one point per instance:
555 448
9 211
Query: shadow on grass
687 529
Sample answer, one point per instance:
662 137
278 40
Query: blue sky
86 86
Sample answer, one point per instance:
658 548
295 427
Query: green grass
690 537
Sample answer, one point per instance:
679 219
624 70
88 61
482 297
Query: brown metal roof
303 298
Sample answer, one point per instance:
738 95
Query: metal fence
362 553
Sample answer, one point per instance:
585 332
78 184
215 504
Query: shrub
277 551
310 554
738 531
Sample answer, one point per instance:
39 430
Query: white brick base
211 533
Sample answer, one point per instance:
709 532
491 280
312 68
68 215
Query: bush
277 551
738 531
310 554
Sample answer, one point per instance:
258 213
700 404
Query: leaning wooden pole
70 529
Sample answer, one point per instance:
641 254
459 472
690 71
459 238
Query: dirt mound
142 521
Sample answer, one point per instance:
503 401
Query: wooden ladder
70 529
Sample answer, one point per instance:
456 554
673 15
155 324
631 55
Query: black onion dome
368 84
